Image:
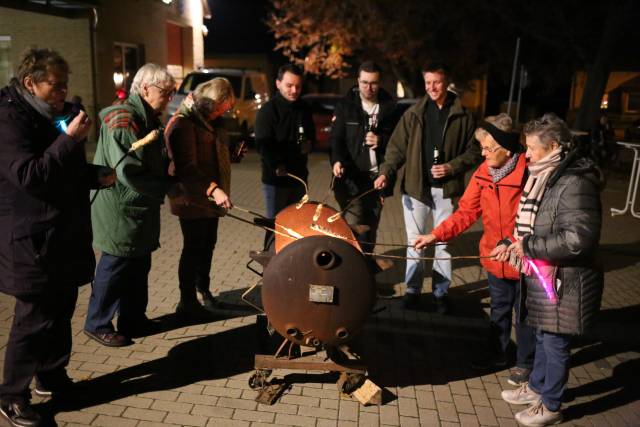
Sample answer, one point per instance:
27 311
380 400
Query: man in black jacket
284 133
363 122
45 252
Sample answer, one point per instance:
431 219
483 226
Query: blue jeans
415 221
550 368
120 286
277 198
505 297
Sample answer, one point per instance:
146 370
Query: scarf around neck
532 194
38 104
498 173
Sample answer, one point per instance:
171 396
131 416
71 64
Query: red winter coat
498 206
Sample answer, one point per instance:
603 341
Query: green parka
126 218
405 148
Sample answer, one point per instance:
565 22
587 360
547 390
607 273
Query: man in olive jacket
126 219
438 124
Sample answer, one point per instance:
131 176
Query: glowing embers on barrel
310 219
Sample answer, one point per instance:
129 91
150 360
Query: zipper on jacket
504 273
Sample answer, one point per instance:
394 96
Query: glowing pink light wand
548 289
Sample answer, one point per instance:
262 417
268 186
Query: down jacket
566 234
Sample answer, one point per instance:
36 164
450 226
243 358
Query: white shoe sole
519 402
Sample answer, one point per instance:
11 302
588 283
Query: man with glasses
45 250
126 219
436 128
363 122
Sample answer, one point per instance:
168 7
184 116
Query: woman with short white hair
557 234
493 194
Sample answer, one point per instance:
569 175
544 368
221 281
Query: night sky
237 26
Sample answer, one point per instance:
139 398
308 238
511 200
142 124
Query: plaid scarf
539 173
498 173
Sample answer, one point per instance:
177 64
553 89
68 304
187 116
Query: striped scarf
539 173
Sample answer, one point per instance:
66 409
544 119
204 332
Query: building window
6 70
631 102
127 59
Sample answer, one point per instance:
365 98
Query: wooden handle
151 136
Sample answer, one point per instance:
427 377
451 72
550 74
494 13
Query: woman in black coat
45 229
557 231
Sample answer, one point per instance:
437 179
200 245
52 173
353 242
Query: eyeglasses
170 93
366 83
57 86
490 150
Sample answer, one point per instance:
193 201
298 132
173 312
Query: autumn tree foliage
328 37
473 36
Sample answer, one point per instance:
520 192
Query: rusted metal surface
310 219
318 291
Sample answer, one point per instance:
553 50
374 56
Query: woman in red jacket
493 194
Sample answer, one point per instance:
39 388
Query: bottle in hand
303 142
436 161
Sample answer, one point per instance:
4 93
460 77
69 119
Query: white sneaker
523 395
537 415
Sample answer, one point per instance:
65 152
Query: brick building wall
70 37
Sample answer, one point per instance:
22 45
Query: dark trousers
277 198
40 340
550 368
363 211
120 286
505 297
199 240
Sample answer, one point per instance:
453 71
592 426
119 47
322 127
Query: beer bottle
436 161
303 142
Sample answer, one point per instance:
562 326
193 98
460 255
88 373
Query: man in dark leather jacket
362 125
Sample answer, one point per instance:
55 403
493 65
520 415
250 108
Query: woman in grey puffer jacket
558 230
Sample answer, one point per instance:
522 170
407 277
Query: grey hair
550 128
151 74
502 121
210 94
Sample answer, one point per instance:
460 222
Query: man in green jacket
434 142
126 219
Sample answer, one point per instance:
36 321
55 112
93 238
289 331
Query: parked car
404 104
250 88
322 108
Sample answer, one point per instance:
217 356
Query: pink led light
548 289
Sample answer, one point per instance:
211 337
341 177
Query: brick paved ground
197 374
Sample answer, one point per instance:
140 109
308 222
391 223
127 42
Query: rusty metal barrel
318 291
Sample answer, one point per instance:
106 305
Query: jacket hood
577 163
9 94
